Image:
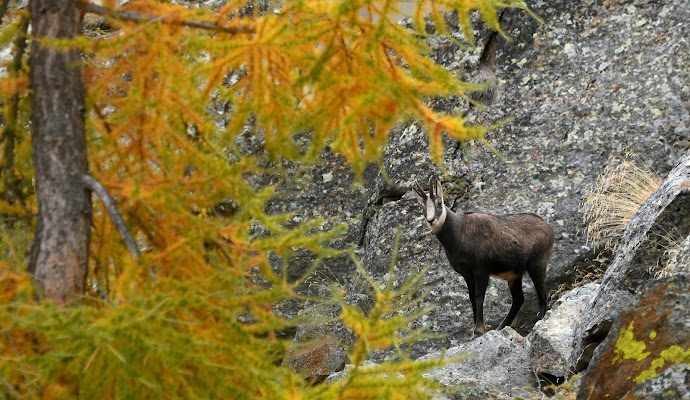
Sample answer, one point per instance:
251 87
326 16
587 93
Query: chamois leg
469 279
481 281
538 275
518 298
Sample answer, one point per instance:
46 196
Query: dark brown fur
480 245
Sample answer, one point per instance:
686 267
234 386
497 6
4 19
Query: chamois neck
447 232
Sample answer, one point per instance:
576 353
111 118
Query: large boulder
596 79
550 343
652 335
643 244
497 366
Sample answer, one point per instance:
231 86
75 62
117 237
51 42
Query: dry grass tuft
610 203
675 258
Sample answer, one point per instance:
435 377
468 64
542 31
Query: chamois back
505 239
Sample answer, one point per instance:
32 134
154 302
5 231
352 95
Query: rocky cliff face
597 79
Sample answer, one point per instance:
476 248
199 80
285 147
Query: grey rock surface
497 366
340 375
550 343
585 85
672 384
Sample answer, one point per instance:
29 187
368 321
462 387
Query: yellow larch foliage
167 104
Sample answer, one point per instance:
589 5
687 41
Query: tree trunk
60 251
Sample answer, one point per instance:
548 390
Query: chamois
480 245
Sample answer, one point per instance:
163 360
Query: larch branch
192 23
96 187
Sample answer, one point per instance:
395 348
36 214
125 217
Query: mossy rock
652 335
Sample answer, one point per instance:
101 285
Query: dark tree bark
60 251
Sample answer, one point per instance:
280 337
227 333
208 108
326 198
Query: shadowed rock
550 343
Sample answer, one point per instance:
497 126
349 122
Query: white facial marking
436 225
430 210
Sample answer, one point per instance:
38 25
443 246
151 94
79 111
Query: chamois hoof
477 334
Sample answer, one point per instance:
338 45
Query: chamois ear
419 194
439 190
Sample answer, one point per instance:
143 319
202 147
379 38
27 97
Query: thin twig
151 21
115 215
9 387
104 293
192 23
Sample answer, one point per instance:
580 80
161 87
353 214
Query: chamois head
434 209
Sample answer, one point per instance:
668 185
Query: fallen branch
192 23
96 187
